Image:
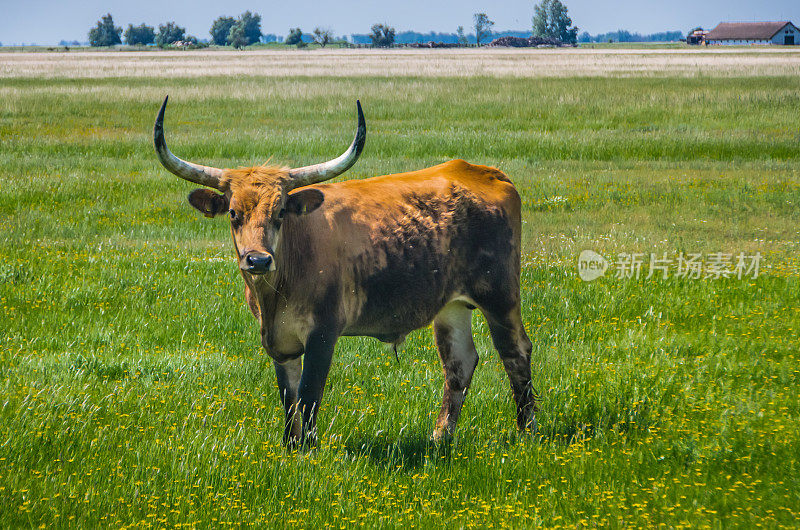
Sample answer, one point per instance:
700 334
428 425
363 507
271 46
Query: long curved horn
203 175
303 176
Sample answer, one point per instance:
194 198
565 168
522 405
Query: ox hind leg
504 316
453 330
514 346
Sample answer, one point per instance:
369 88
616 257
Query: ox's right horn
303 176
203 175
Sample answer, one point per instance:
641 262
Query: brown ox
378 257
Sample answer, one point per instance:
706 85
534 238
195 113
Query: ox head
256 199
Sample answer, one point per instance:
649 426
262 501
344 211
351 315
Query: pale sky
49 21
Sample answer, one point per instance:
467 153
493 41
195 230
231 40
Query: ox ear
304 201
209 202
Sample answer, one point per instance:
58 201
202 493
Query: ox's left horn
303 176
203 175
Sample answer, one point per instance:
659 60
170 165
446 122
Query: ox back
401 247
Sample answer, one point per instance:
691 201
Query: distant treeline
409 37
627 36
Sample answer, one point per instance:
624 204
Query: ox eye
278 219
235 219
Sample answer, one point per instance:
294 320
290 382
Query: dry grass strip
717 62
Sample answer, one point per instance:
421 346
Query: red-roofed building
783 32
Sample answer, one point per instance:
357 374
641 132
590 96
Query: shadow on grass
413 450
408 451
588 424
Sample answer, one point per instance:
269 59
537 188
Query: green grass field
135 392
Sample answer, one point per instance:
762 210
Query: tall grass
134 391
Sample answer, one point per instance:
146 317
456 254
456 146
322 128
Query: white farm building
784 33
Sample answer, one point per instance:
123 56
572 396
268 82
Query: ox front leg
288 375
317 363
453 330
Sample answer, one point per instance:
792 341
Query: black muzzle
256 263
